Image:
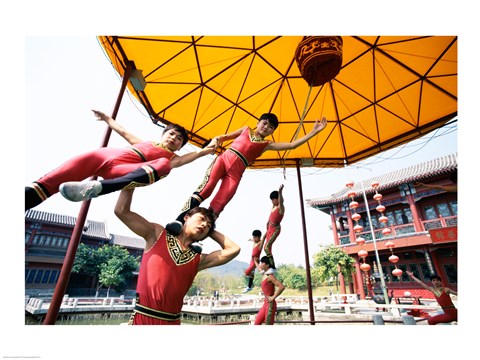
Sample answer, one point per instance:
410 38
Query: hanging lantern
349 184
356 217
380 208
319 58
375 184
397 272
393 258
377 197
365 267
362 254
390 244
351 194
353 205
360 241
358 228
383 219
387 231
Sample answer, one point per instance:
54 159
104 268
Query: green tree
331 261
111 266
293 277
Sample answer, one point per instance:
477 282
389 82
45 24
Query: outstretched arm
119 129
178 161
218 140
409 273
219 257
317 127
281 207
134 221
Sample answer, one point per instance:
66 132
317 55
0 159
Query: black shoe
174 227
197 248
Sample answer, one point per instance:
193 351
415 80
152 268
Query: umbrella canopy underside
390 90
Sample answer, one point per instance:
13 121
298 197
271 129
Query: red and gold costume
266 314
106 162
449 310
255 254
166 274
273 230
229 167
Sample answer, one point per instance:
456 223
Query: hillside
233 267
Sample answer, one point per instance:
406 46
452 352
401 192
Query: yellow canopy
390 90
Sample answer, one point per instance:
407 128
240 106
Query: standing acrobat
271 288
229 166
274 220
442 295
169 265
249 272
145 162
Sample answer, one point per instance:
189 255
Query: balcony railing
401 230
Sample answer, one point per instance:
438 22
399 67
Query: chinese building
421 206
47 236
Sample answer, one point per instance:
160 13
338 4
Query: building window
430 213
451 272
45 277
414 269
425 271
453 206
53 277
30 275
443 210
38 276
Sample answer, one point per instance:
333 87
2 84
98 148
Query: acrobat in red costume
271 288
108 163
228 167
274 220
449 310
160 293
442 295
266 314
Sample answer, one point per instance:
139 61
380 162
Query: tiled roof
95 229
128 241
415 173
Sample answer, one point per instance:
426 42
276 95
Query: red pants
105 162
228 168
267 313
449 315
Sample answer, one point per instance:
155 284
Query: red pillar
359 277
336 240
64 276
417 222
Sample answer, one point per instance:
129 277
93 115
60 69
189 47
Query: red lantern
383 219
353 205
390 244
349 184
386 231
358 228
380 208
360 241
375 184
363 254
365 267
393 258
397 272
356 217
377 197
351 193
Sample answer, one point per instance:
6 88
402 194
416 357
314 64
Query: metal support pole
64 276
305 244
382 279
